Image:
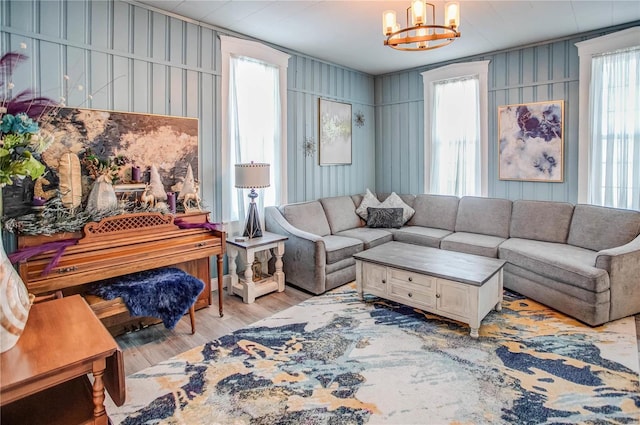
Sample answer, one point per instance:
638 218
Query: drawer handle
67 269
410 294
437 295
410 279
201 244
384 280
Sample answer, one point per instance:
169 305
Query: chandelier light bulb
418 12
388 21
452 14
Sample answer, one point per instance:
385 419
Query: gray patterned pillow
385 218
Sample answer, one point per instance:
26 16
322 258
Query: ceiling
349 33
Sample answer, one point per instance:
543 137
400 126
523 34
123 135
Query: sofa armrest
623 265
304 254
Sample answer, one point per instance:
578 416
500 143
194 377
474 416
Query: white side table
248 250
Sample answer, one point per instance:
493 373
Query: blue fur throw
165 293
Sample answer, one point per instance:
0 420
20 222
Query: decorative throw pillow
385 217
394 201
369 200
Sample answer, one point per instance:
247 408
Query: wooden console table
44 377
114 247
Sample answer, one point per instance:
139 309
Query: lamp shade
252 175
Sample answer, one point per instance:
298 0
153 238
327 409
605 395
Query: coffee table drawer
397 276
413 295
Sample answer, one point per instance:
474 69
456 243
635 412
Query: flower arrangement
21 139
21 144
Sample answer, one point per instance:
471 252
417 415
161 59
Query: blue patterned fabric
165 293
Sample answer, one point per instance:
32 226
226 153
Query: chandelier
422 34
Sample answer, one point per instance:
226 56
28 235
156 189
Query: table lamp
252 176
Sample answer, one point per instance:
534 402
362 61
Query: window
455 129
615 135
609 162
253 121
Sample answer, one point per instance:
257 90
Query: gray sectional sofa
583 260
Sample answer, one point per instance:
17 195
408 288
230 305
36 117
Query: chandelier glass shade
421 33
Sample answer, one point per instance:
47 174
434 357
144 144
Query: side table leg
248 287
99 412
220 278
279 274
232 253
500 291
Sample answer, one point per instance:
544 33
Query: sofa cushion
598 228
341 213
341 247
438 211
368 200
307 216
472 243
486 216
385 218
369 237
560 262
541 220
395 201
418 235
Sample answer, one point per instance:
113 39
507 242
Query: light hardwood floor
154 344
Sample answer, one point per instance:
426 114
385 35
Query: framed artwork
531 141
168 142
335 133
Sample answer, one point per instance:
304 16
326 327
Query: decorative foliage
20 147
21 140
109 167
358 118
309 146
56 218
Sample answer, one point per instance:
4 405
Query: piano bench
163 293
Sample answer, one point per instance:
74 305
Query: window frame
586 51
231 46
457 71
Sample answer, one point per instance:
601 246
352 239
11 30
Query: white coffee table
451 284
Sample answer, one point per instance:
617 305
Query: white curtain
455 150
614 178
254 129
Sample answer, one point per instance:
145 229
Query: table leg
220 277
248 289
232 253
99 412
279 274
500 291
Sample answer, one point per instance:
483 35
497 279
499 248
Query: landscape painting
531 143
142 140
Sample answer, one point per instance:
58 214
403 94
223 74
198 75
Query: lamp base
252 227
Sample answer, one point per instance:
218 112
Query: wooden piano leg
220 277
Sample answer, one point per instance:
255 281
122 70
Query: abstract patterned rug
336 360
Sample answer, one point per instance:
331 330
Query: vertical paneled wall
547 71
130 58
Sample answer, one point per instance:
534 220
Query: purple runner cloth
58 246
184 225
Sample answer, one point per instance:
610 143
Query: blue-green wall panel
131 58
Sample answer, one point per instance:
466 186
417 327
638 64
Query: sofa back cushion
541 220
341 213
599 228
487 216
436 211
307 216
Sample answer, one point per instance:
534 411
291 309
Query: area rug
334 359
